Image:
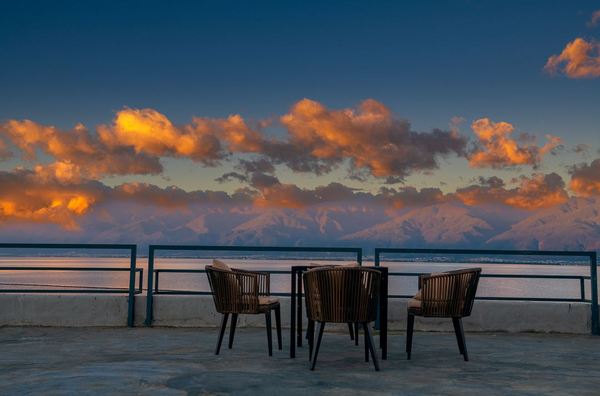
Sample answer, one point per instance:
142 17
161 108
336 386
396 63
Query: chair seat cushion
267 300
413 303
218 264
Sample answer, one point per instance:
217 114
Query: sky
293 104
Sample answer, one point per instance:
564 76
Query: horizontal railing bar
203 271
502 275
258 248
277 272
492 252
557 299
68 269
88 291
66 246
207 293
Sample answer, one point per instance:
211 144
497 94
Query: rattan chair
238 292
444 295
341 295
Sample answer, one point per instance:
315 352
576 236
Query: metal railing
591 256
130 290
153 274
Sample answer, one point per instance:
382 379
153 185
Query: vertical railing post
383 332
131 302
594 283
378 318
141 285
299 310
582 288
148 321
293 315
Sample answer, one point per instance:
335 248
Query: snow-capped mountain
300 227
437 225
574 225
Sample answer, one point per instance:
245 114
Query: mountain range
574 225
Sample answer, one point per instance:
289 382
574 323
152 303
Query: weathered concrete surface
179 361
198 311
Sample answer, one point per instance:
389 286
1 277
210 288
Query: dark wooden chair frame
237 292
447 295
342 295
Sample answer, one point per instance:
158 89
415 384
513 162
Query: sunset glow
400 122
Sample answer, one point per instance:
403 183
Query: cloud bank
63 173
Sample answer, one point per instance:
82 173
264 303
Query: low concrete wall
198 311
62 310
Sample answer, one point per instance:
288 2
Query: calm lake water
555 288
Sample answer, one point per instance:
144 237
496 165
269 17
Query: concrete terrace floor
169 361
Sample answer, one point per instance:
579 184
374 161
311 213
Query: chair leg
222 332
355 333
460 337
278 325
366 344
314 358
369 338
351 330
269 336
410 322
232 329
310 332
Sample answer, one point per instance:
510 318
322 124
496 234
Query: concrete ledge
71 310
506 316
81 310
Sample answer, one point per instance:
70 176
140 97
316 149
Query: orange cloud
368 136
539 191
38 196
585 179
78 153
151 132
286 196
579 59
497 149
27 196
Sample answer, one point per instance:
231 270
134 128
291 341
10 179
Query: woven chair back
233 291
342 295
449 294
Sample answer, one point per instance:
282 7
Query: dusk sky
296 104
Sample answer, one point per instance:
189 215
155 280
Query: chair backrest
449 294
342 294
233 291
